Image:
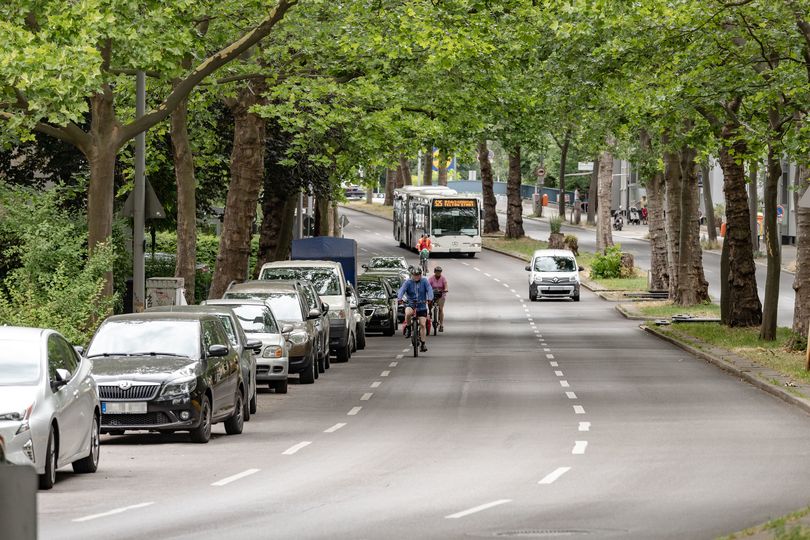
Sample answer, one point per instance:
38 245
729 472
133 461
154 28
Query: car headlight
337 314
298 337
272 352
179 387
382 310
22 416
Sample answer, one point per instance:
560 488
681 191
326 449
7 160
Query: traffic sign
780 213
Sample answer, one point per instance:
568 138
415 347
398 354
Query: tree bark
514 202
692 288
711 226
185 264
369 195
604 234
773 249
277 226
400 179
672 176
659 262
801 282
321 216
390 183
753 204
247 173
405 170
563 160
427 167
744 308
442 168
725 285
593 193
491 224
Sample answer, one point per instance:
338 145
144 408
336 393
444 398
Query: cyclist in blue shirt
418 293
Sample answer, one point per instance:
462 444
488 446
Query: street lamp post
139 202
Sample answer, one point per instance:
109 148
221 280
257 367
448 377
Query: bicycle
415 335
434 311
423 260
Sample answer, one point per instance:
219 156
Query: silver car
49 409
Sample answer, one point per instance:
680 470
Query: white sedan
49 410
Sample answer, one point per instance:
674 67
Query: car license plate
123 407
455 250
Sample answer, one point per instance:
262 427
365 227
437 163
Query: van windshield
325 280
554 263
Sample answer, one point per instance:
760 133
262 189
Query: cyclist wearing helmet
439 285
418 293
424 246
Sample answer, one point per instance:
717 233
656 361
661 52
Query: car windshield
19 362
454 221
554 264
386 262
155 336
285 306
325 280
371 289
255 319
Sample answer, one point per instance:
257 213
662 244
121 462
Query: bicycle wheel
415 335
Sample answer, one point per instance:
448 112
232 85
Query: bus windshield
455 221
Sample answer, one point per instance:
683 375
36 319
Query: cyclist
439 285
418 293
424 247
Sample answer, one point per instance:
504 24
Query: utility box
18 502
165 291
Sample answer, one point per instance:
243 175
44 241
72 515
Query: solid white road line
385 373
558 373
553 477
550 356
476 509
295 448
354 411
565 384
376 384
234 478
579 447
335 427
393 364
584 426
579 409
571 395
367 396
113 512
554 364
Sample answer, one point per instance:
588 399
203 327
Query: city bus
452 221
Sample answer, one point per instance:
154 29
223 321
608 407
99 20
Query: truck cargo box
327 248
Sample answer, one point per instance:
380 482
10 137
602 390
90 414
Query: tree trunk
321 216
185 265
593 192
442 168
744 308
405 170
753 204
563 159
277 227
369 195
604 234
400 179
427 168
491 224
725 286
692 288
801 283
390 183
514 202
659 263
711 226
672 208
773 249
247 173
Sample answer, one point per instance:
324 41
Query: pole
299 217
139 197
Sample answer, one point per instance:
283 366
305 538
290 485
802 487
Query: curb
627 315
743 374
364 212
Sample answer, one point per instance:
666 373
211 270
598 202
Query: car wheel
246 410
202 433
308 375
361 338
254 404
532 295
326 361
344 353
280 386
89 464
316 367
354 344
321 363
48 479
236 423
576 297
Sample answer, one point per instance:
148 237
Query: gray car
322 324
246 348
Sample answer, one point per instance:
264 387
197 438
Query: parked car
287 300
359 319
258 322
245 348
167 372
553 273
379 303
387 265
395 281
330 282
322 323
49 408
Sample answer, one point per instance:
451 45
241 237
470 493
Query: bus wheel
471 254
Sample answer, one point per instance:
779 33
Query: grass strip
665 309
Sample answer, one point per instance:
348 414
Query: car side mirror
314 314
62 378
255 345
581 269
348 293
528 268
217 351
79 350
287 329
325 308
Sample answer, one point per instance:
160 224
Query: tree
491 224
604 235
514 202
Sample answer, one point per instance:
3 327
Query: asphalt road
641 251
548 419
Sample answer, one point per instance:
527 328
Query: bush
555 223
607 265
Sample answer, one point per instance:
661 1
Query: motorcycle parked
633 216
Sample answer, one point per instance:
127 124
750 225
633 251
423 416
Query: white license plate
123 407
455 250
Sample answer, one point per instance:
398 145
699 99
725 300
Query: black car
395 281
378 301
167 372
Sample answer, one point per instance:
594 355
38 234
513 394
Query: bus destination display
454 203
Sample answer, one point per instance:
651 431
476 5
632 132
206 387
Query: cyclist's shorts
422 312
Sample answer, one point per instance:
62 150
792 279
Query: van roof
553 253
301 264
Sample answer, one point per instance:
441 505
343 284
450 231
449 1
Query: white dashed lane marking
335 427
385 373
477 509
293 449
553 477
393 364
354 411
235 477
564 384
579 447
376 384
554 364
399 357
579 409
571 395
550 356
113 512
584 426
558 373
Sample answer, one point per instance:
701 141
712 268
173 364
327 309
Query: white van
330 283
553 273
